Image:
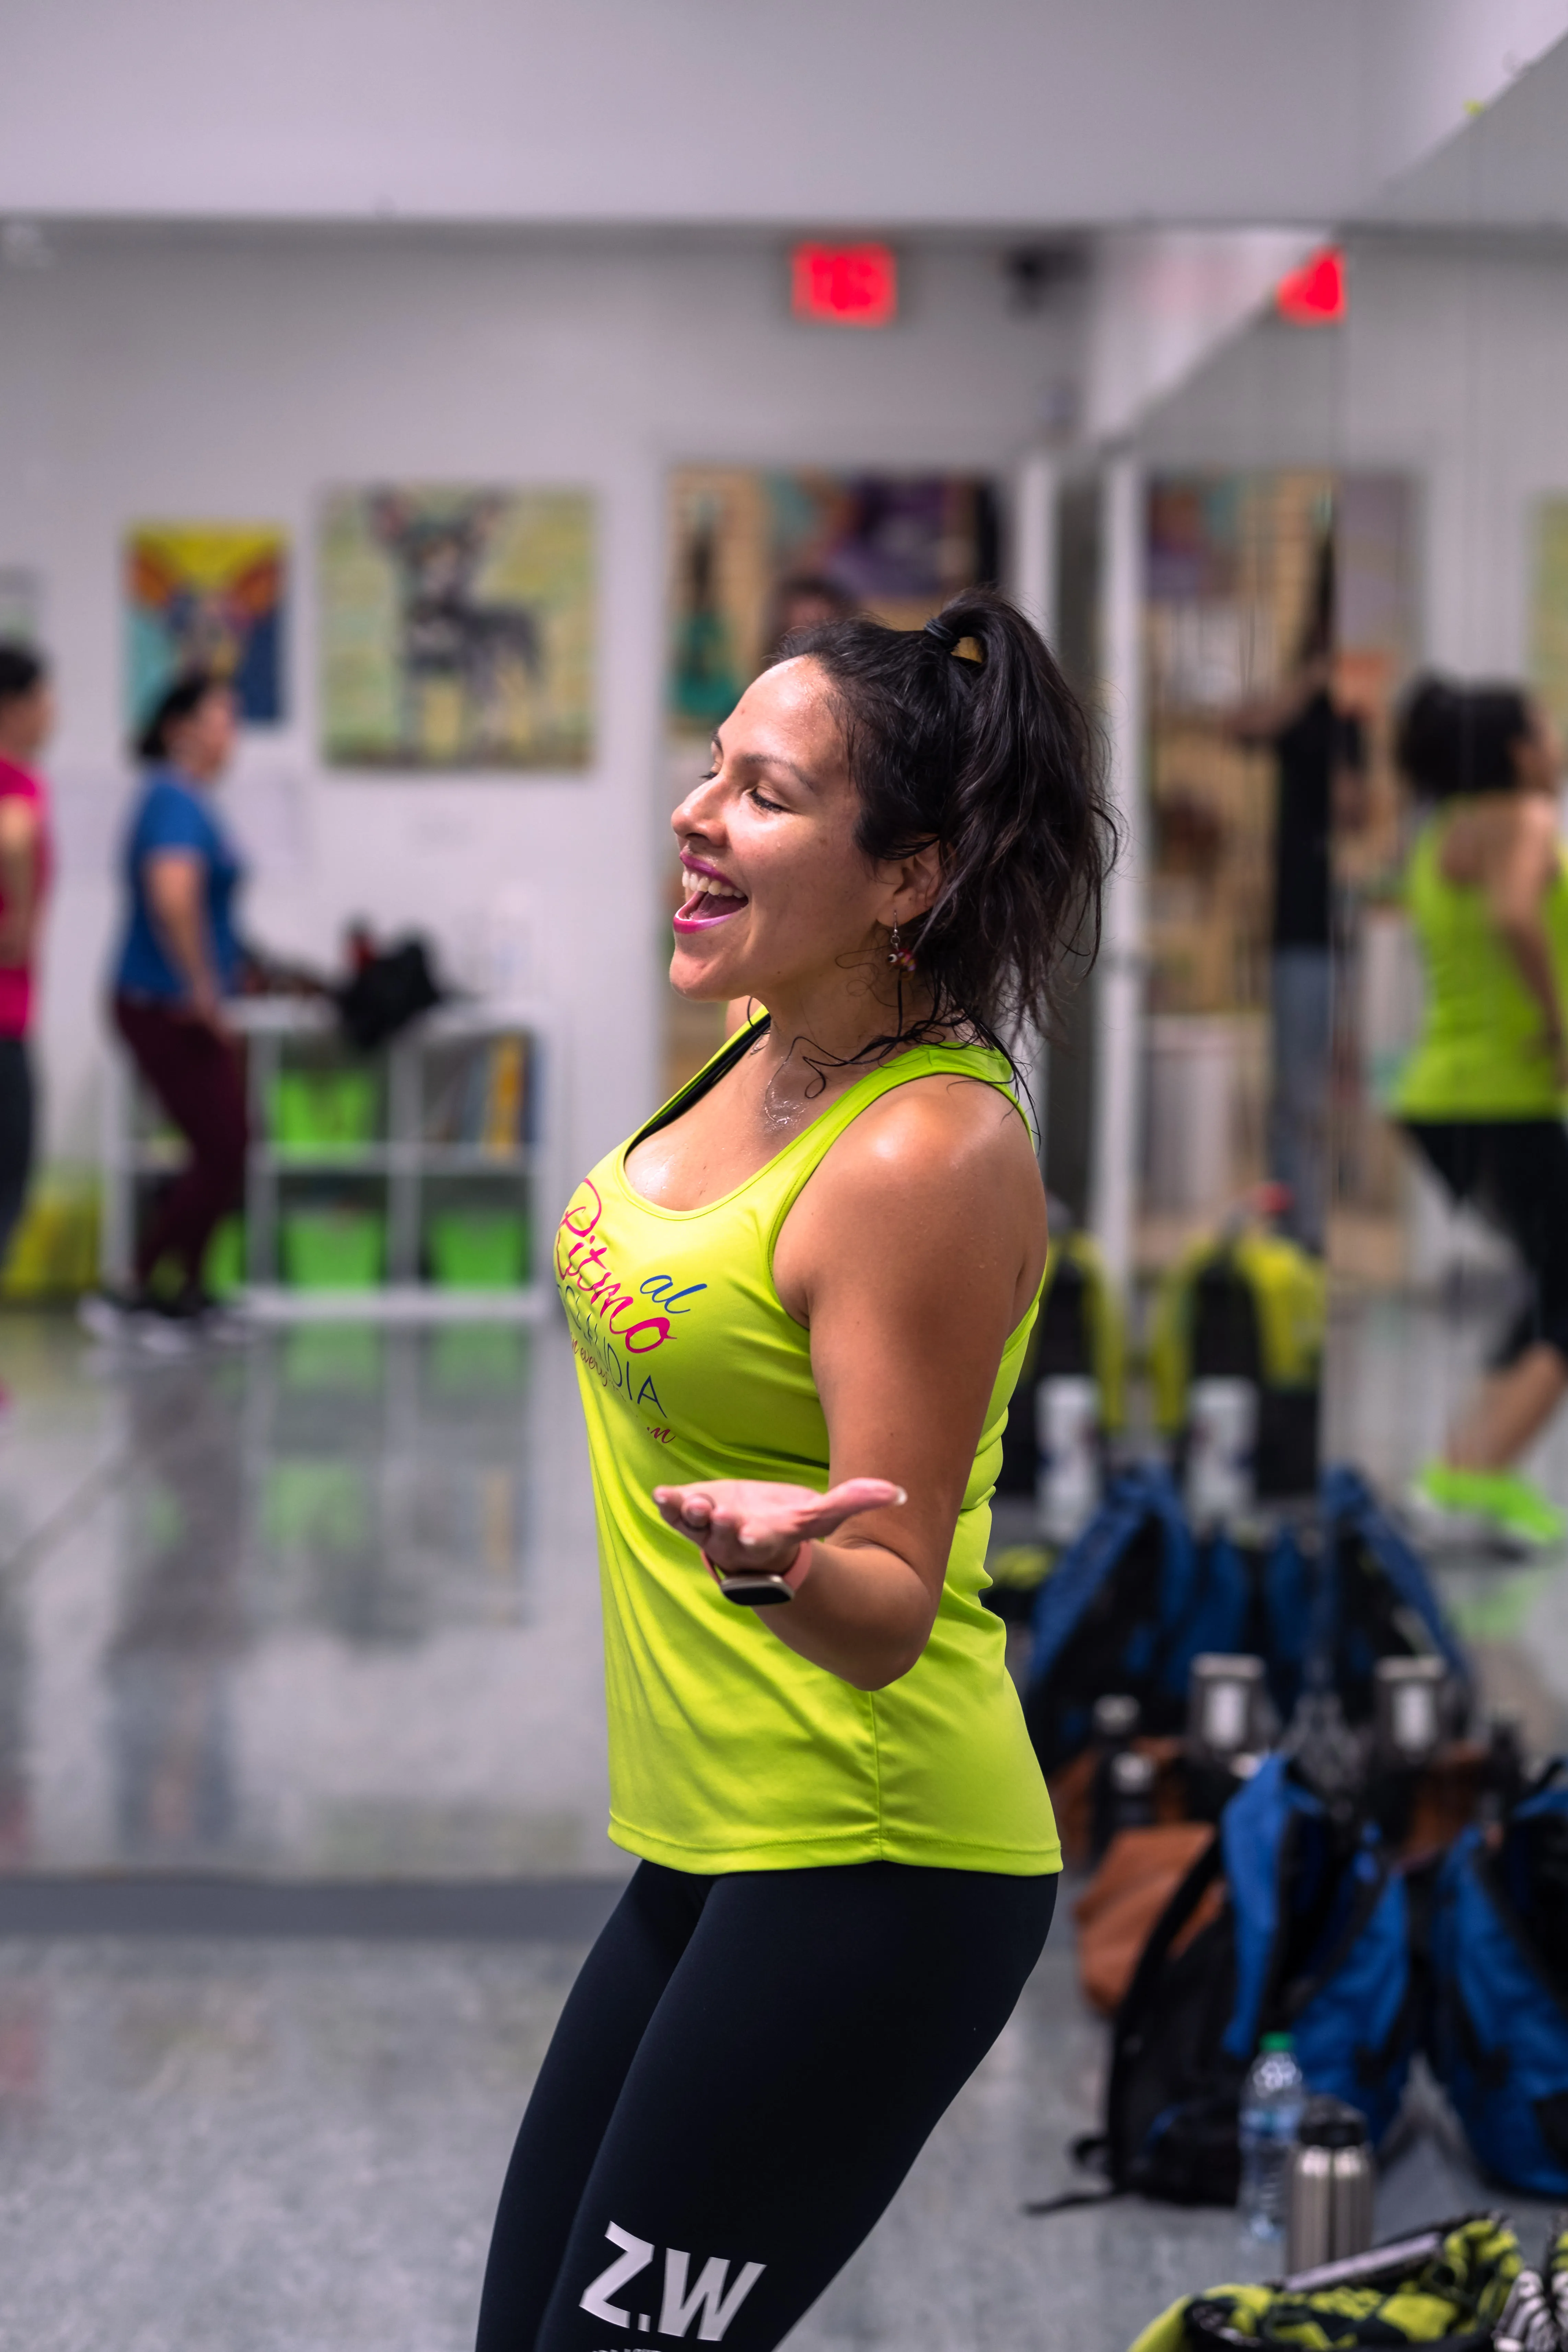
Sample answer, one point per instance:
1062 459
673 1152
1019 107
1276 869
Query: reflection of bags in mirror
1140 1595
1374 1600
1127 1608
1078 1335
1247 1306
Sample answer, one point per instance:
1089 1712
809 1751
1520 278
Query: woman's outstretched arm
910 1255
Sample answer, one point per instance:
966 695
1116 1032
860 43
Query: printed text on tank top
728 1750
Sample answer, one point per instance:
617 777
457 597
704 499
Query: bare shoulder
1538 821
928 1149
939 1170
944 1127
1487 837
1522 848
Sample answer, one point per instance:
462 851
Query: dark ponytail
995 759
1459 739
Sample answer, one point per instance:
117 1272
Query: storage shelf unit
402 1168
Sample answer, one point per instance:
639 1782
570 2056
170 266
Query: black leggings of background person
1514 1173
745 2072
17 1125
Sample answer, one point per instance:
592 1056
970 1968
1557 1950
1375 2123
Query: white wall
824 111
185 375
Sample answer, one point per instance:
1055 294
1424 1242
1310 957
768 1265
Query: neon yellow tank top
728 1752
1482 1054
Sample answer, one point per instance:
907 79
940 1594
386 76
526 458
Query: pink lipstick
712 897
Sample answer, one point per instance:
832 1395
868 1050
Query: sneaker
108 1313
224 1320
132 1319
1490 1502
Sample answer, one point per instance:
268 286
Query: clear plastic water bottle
1272 2099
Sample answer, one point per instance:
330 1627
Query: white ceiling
1506 169
853 113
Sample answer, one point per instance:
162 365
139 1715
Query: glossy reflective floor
301 1802
323 1606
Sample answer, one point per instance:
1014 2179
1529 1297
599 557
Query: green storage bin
333 1249
323 1110
223 1268
478 1249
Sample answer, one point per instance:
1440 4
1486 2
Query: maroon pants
200 1081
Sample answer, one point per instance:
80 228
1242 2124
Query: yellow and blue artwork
207 596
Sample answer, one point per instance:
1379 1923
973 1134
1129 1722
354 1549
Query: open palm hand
749 1523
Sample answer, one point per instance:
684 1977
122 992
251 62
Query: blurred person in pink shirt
27 717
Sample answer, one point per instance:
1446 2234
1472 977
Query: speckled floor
323 1616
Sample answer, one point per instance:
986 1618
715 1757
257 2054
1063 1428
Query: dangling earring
904 958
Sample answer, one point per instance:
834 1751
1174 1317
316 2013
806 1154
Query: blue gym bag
1500 1968
1314 1939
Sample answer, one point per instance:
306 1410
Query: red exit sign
1314 295
847 285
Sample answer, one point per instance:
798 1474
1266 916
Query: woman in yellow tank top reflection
799 1297
1484 1094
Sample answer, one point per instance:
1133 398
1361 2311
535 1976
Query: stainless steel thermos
1328 2203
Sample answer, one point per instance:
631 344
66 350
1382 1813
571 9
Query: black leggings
744 2072
1515 1172
16 1136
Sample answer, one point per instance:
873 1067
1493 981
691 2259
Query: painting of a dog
457 629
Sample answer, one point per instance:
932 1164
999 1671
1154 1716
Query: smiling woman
800 1297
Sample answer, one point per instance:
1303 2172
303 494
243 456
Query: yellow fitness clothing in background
728 1752
1483 1052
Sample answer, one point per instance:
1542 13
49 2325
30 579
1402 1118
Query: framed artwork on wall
207 596
756 552
456 627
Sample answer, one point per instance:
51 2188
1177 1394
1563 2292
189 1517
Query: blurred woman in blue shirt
180 958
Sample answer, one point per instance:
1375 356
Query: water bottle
1329 2188
1272 2099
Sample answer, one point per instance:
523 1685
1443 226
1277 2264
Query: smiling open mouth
710 899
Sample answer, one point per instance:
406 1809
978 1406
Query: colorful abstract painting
207 596
458 627
754 553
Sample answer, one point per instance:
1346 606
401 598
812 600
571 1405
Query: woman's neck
833 1024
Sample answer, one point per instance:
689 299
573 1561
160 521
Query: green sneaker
1497 1502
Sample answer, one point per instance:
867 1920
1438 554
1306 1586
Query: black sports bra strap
707 1078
